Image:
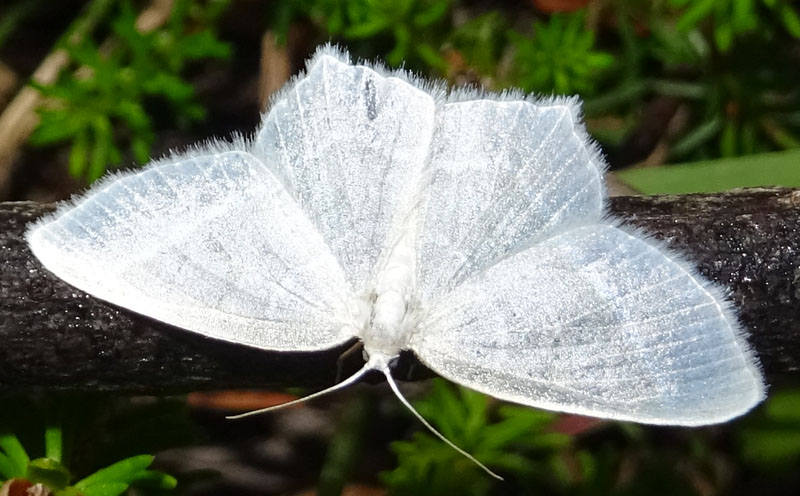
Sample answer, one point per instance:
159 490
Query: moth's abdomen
393 302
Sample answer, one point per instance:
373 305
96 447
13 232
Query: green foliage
732 18
737 110
559 57
741 97
57 429
481 41
405 32
741 100
410 28
109 94
516 443
620 459
13 457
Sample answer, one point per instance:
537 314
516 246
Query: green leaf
170 86
79 154
49 472
14 452
790 20
747 139
600 60
697 137
56 126
53 446
86 53
699 10
723 37
140 146
105 489
366 29
742 15
432 14
154 479
101 151
203 44
123 471
9 469
682 89
134 115
765 169
727 142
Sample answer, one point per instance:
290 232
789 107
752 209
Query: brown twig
55 337
275 68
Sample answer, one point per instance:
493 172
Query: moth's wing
501 173
595 321
350 141
211 243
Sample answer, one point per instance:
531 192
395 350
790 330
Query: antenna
405 402
370 365
375 362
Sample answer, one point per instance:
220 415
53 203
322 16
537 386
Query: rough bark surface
56 338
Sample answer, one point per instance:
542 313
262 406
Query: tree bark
54 337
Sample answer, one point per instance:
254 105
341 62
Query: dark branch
54 337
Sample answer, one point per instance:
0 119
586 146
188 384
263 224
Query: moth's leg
407 367
342 360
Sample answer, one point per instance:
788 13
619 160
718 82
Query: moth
467 227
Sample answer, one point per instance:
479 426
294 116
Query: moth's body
391 303
468 228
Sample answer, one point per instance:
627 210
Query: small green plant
409 24
407 32
559 57
728 107
732 18
481 42
52 470
517 443
105 102
736 110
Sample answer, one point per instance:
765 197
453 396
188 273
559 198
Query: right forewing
212 244
508 171
595 321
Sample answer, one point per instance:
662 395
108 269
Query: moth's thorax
391 302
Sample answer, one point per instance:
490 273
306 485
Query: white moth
466 227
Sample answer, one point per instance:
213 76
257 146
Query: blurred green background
683 95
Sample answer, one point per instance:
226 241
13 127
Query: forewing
502 173
213 244
350 143
598 322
